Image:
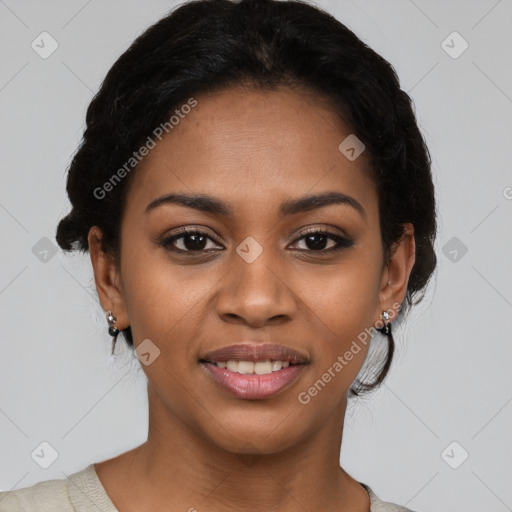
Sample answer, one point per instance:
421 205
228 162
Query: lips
255 353
290 364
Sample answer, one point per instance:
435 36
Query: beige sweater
83 492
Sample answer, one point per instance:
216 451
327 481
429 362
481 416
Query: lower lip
252 386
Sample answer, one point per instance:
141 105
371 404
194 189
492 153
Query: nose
256 294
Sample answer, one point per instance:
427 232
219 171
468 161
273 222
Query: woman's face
251 277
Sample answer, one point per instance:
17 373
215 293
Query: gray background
451 381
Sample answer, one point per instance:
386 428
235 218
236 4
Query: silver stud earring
112 329
386 328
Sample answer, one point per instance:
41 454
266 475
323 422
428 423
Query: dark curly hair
207 45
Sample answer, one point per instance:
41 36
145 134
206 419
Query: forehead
252 147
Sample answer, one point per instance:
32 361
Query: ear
107 279
395 275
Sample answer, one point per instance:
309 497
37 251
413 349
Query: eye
189 240
317 239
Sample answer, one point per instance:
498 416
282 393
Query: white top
84 492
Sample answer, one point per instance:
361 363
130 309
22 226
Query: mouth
252 367
252 371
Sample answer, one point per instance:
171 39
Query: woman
257 201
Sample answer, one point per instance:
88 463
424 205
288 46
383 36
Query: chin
258 437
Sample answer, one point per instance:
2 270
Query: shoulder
80 492
45 496
377 505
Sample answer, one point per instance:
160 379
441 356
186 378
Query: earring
112 329
386 328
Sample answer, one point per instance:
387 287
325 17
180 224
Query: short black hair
208 45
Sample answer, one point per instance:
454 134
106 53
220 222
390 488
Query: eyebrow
216 206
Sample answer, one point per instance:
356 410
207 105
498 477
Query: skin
207 450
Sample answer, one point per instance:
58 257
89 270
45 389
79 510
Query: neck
178 466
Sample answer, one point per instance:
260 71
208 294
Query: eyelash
342 243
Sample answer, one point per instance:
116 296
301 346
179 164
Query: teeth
276 365
245 367
232 366
250 367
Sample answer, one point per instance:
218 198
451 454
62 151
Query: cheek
341 309
341 314
344 299
162 298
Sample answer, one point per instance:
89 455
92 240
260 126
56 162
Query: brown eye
318 240
188 240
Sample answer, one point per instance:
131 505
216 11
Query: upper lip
255 352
